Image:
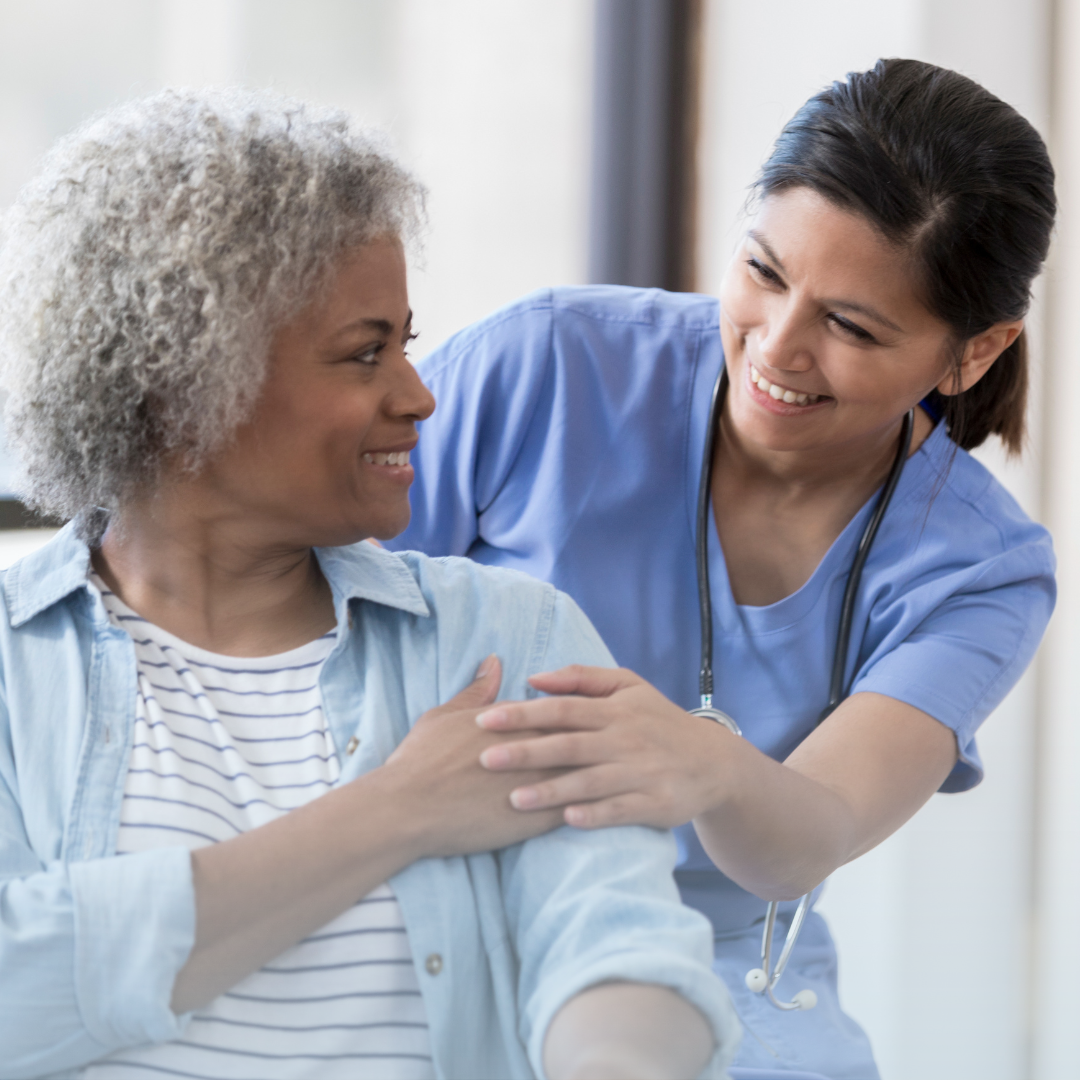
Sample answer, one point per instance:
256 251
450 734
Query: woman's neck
208 575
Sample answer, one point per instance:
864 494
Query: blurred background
565 141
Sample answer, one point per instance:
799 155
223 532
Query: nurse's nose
785 345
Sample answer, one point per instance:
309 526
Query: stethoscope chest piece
721 718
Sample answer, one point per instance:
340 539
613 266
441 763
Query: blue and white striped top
224 744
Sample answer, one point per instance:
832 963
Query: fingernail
492 718
495 757
524 798
485 667
574 815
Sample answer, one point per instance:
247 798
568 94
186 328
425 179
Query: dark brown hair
959 179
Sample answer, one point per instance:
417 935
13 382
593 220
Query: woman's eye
369 355
850 328
763 271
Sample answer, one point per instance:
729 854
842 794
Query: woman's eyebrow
382 326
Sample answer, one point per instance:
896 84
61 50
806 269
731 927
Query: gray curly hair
144 271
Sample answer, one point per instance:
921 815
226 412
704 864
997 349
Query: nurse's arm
853 782
776 828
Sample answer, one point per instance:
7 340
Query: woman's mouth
401 457
780 393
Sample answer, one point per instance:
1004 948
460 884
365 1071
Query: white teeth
399 458
778 393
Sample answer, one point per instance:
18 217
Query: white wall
934 926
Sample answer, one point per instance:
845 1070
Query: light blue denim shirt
91 942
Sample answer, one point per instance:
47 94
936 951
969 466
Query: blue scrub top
567 443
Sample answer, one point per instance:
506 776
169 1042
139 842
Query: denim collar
59 568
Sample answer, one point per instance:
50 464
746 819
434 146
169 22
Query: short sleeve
966 654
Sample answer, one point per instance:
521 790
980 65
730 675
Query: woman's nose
411 398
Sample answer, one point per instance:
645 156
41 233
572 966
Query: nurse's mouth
780 393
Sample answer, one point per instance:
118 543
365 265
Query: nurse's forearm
780 829
627 1031
773 831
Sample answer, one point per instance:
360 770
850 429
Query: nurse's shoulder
971 504
598 326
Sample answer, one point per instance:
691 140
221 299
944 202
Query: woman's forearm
627 1031
262 892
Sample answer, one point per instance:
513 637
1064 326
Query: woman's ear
979 354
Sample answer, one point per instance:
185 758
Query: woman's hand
634 756
451 805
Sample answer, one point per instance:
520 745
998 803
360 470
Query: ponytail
995 405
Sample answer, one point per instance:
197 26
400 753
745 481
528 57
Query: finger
565 751
481 691
631 808
587 681
581 785
545 714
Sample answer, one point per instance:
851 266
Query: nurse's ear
979 354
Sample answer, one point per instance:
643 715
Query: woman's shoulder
448 588
470 611
968 509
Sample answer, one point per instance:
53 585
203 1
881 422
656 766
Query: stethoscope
763 980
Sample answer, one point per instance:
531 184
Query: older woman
222 847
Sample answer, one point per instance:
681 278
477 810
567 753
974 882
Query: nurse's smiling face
827 341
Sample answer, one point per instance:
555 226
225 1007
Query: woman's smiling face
826 340
323 459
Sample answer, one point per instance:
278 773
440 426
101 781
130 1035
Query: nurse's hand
634 756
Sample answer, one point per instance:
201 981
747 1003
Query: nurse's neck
859 463
779 509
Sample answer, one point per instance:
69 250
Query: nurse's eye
766 273
851 329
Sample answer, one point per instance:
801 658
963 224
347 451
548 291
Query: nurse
887 265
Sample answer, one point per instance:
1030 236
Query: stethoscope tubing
764 979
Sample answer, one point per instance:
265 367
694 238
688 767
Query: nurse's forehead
839 254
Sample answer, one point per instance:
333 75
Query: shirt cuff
691 981
134 930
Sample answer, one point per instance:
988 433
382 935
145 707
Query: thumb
482 690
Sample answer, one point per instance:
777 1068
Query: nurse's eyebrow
764 245
843 305
863 309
